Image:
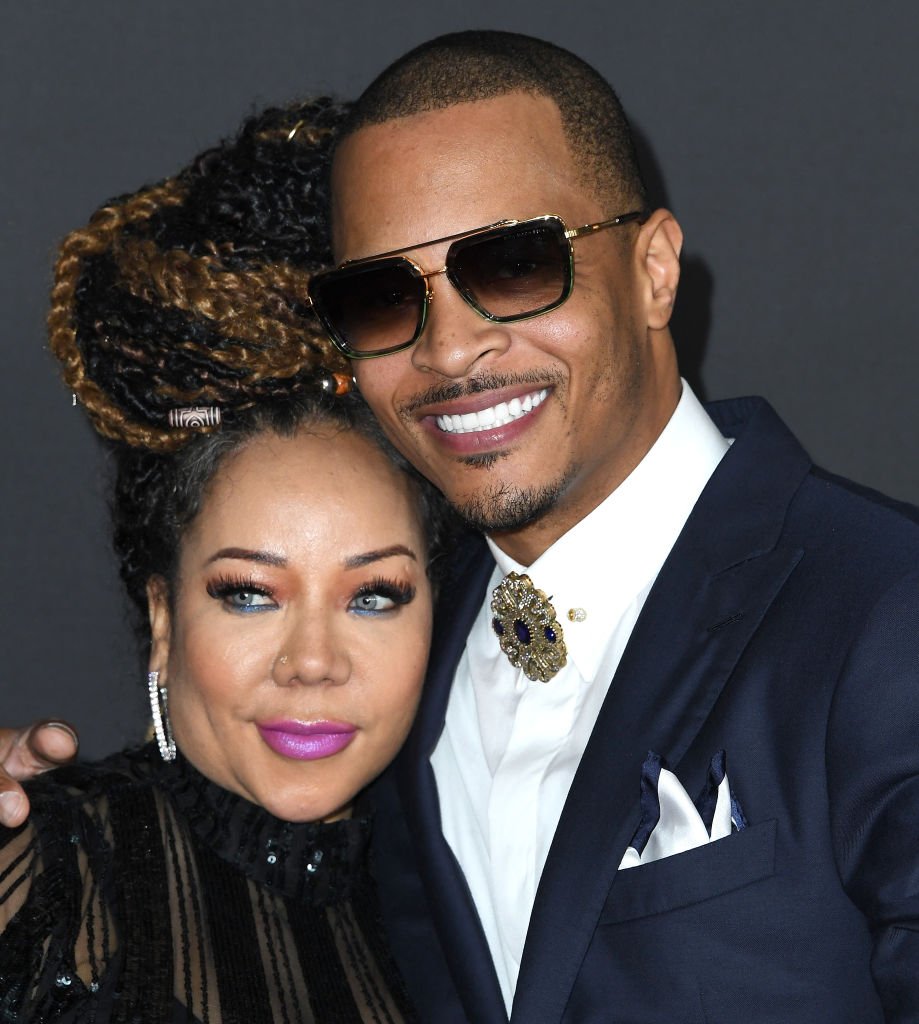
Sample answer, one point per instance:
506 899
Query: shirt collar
611 557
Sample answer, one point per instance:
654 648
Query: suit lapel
710 596
451 903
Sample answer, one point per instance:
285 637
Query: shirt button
577 614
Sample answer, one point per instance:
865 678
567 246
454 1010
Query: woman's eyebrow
262 557
356 561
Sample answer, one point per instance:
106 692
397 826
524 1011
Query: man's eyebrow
262 557
356 561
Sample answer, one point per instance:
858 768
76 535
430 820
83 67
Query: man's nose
456 340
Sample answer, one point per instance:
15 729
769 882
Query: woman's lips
307 741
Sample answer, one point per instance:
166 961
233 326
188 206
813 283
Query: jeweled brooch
525 624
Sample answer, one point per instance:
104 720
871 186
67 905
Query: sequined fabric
142 892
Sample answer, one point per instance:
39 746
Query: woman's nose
312 652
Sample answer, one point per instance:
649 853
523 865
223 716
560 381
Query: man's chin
508 508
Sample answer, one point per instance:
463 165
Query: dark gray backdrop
783 134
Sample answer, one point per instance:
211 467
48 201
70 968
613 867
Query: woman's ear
658 249
160 626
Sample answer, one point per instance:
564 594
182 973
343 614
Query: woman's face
295 649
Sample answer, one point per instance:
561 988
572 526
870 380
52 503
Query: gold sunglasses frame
569 235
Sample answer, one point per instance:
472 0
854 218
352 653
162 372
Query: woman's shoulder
90 788
62 897
126 768
80 815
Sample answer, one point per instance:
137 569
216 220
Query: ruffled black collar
316 863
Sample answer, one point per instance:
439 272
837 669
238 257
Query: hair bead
195 417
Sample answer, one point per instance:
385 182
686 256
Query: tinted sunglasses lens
372 308
515 271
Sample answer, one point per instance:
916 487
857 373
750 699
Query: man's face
553 412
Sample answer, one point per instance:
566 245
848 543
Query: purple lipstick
307 741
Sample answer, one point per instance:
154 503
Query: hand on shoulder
27 752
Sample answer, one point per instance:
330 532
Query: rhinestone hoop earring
159 708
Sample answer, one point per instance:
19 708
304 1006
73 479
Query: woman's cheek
222 658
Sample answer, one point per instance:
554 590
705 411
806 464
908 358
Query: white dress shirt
510 747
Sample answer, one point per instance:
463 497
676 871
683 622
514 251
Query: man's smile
492 416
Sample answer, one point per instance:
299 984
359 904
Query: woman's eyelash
400 593
225 586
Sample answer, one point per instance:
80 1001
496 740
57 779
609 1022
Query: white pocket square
671 822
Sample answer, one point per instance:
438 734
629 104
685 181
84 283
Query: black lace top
140 891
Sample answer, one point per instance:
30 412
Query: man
680 587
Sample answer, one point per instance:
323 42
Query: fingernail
10 806
53 745
64 727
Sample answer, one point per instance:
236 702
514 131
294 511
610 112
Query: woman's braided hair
193 292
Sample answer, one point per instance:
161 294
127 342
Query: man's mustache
449 391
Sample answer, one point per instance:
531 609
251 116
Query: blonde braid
77 249
260 312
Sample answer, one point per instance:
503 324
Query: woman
277 550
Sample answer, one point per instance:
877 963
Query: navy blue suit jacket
783 628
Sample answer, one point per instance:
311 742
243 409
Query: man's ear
160 625
660 240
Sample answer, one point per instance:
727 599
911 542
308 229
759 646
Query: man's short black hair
467 66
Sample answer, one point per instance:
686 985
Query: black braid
265 196
253 212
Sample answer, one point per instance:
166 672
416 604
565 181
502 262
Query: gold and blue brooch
526 626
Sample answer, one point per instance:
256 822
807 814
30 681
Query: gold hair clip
195 417
313 135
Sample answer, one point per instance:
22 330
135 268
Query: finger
13 803
24 753
36 748
14 806
50 743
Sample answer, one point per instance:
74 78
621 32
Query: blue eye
241 596
247 600
381 596
372 603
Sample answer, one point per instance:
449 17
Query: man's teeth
495 416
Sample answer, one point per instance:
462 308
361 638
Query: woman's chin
298 806
322 790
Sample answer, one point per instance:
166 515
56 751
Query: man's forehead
447 170
527 116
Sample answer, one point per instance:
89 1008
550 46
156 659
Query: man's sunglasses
512 270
